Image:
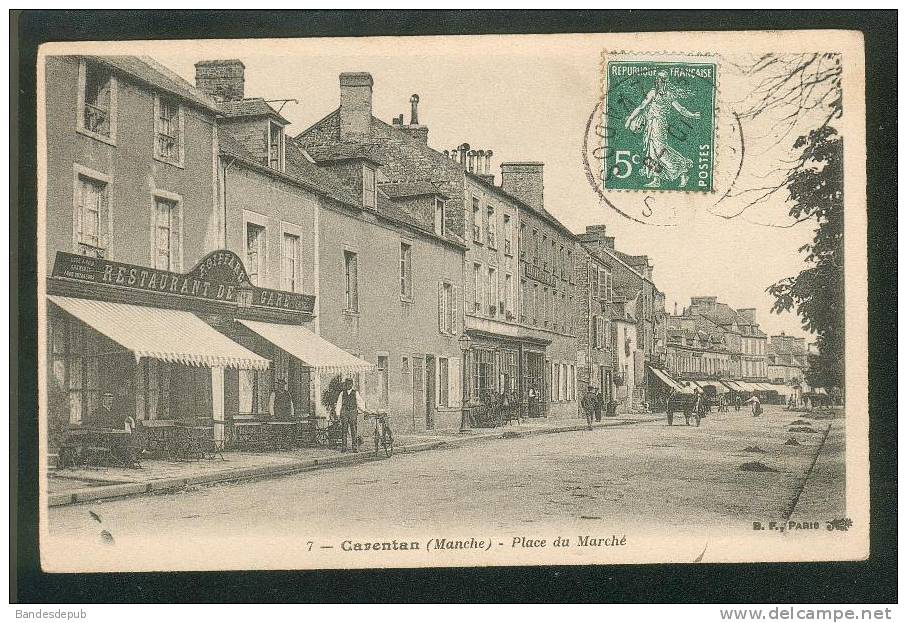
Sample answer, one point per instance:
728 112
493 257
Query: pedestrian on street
696 408
669 407
599 405
533 401
280 404
588 403
349 403
757 406
737 402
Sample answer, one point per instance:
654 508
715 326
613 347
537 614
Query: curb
165 485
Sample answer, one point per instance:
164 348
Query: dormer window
276 149
369 187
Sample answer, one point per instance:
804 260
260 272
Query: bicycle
384 436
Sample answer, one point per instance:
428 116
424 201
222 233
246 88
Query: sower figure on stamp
348 405
651 116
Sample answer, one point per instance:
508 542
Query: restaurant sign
219 276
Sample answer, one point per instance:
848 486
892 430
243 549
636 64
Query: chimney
594 237
414 109
675 308
355 106
749 314
525 181
398 120
464 150
471 160
221 80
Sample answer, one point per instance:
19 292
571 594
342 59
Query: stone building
374 259
787 364
596 352
746 339
131 234
634 287
508 352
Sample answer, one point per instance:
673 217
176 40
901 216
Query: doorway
429 392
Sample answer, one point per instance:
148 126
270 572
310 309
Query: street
644 474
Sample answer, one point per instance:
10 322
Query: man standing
589 403
104 416
280 405
599 405
737 402
348 405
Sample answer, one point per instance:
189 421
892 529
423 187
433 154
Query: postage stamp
659 125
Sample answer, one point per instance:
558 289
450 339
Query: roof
298 168
397 190
249 107
343 151
166 334
155 75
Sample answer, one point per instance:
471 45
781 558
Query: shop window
351 281
168 121
254 391
166 234
383 380
482 373
255 253
290 263
406 271
443 382
97 100
93 214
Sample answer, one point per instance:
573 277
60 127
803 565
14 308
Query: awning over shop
664 378
766 387
166 334
745 387
731 385
783 390
314 351
719 387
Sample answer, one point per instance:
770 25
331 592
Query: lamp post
465 420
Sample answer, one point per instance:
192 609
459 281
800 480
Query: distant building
788 362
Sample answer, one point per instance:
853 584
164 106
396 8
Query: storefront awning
166 334
731 385
664 378
719 387
314 351
766 387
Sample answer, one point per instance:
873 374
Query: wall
134 173
377 328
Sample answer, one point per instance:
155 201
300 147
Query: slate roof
343 151
249 107
410 189
147 70
298 168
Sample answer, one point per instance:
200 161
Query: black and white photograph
453 301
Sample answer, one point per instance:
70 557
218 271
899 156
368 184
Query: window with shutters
406 271
544 313
277 149
508 296
544 252
508 235
523 295
491 292
383 380
168 130
478 290
443 382
97 102
447 308
351 281
522 241
536 250
476 220
491 228
167 236
256 264
92 216
289 272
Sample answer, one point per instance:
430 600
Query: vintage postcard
453 301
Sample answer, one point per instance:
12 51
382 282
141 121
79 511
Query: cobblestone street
620 477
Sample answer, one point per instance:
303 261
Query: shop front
205 347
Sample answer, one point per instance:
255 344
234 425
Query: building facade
595 344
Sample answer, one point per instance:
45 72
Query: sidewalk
823 495
71 486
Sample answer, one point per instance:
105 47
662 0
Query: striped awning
719 387
667 380
731 385
166 334
314 351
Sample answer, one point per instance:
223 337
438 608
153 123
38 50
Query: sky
529 99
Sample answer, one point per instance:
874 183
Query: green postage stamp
659 125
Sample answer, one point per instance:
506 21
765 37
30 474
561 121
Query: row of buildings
199 250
